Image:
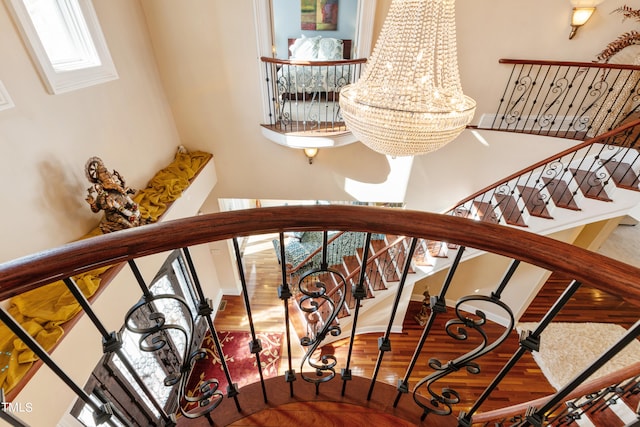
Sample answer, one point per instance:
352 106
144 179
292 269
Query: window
65 41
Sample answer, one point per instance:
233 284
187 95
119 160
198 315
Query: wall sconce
579 17
310 152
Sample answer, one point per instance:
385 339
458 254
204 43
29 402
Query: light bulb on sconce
310 152
579 17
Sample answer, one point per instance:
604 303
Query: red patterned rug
241 362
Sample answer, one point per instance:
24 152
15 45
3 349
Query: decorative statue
422 316
110 194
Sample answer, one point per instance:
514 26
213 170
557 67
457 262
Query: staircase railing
592 395
303 95
319 366
577 100
587 170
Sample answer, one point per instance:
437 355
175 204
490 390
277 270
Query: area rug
241 362
566 349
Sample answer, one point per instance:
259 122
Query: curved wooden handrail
569 64
30 272
584 389
596 140
312 63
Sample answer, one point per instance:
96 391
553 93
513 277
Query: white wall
208 59
46 139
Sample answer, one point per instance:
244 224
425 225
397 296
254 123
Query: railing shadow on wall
303 95
318 368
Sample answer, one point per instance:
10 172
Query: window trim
57 82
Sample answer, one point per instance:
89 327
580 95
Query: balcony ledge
310 138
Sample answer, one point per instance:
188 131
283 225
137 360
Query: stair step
590 185
510 210
373 278
604 415
632 399
439 249
560 193
534 202
350 302
385 265
485 212
623 175
352 263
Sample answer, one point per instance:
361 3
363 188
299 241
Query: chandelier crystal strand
409 99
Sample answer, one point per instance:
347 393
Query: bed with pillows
311 80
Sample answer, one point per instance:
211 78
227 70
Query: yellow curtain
43 311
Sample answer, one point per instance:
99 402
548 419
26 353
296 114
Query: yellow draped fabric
43 311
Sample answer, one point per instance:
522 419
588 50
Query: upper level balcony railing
576 100
417 396
303 95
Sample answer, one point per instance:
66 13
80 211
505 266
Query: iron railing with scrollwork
576 100
303 95
320 367
590 169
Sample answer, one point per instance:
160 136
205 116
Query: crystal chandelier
409 99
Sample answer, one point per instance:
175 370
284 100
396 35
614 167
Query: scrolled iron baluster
440 403
596 91
553 170
523 85
155 337
311 302
558 89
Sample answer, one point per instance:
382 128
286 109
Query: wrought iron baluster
8 417
502 100
523 83
284 293
155 337
205 310
449 396
584 119
544 89
359 293
112 343
529 341
557 96
384 343
101 412
536 417
438 306
255 346
314 302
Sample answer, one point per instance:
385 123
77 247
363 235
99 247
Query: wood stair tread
534 202
623 175
590 185
510 211
603 415
485 212
560 193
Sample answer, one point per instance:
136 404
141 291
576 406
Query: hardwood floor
524 382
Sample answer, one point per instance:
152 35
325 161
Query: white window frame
61 81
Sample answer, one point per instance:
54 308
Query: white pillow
305 48
330 49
